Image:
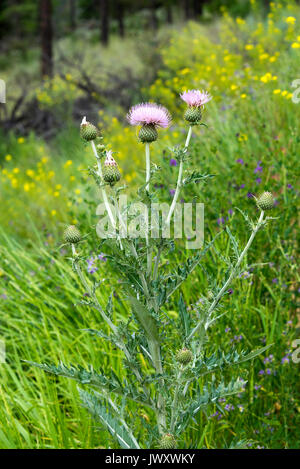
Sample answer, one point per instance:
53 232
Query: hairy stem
147 152
174 409
104 195
179 179
232 275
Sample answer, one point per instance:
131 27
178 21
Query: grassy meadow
250 144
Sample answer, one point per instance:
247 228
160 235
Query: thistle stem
232 275
104 195
179 179
147 151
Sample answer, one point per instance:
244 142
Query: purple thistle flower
195 98
149 113
173 162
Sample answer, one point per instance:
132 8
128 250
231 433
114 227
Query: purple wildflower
275 280
195 98
173 162
149 113
258 168
285 359
230 291
102 257
221 221
240 161
258 180
172 191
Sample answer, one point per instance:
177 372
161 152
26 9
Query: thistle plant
164 359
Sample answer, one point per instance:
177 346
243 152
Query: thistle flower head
72 235
111 173
87 130
167 441
195 98
149 114
265 201
109 160
184 356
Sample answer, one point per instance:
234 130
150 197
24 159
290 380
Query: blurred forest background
67 40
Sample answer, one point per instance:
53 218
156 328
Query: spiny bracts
72 235
88 131
184 356
265 201
111 173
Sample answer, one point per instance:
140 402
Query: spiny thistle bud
111 173
167 441
193 115
148 133
184 356
87 130
72 235
100 147
265 201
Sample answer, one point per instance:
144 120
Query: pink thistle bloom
109 160
195 98
149 113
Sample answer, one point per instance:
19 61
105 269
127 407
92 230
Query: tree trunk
169 14
104 15
186 9
46 37
154 22
72 8
198 7
120 17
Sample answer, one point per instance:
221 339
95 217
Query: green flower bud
167 441
72 235
148 133
87 130
111 173
265 201
184 356
193 115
